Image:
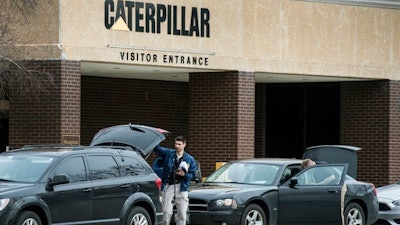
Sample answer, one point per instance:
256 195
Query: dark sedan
273 191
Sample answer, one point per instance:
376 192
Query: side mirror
59 179
293 182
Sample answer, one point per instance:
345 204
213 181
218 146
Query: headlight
396 202
228 202
3 203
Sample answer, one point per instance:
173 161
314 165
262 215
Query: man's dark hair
180 138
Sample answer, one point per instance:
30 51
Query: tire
253 215
138 216
28 218
354 215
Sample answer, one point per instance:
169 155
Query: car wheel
138 216
354 214
28 218
253 215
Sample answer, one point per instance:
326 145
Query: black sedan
275 191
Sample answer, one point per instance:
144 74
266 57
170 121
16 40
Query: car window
23 168
131 166
74 168
321 175
102 167
246 173
289 172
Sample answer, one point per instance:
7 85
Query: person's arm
329 177
327 180
191 174
161 151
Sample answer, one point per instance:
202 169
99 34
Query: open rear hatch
140 137
335 154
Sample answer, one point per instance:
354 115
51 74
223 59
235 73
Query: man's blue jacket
168 156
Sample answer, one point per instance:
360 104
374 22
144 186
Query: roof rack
75 147
50 146
119 147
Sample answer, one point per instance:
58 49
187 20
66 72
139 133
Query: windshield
23 168
245 173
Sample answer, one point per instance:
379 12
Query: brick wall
221 117
370 119
107 102
48 114
70 93
394 129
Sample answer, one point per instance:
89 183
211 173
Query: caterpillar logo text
156 18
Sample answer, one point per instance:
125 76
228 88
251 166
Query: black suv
98 184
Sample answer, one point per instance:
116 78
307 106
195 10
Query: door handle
333 191
125 185
87 190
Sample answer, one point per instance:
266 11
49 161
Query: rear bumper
372 212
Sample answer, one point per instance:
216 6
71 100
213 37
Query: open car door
313 196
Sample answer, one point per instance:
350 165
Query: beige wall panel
270 36
396 41
226 28
262 29
42 27
375 37
82 23
37 34
85 27
318 33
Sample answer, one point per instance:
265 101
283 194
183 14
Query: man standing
179 169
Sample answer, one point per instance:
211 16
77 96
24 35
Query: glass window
248 173
131 166
102 167
325 175
74 168
289 172
23 168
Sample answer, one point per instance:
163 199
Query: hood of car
389 192
6 187
140 137
213 191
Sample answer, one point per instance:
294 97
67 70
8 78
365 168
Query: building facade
241 79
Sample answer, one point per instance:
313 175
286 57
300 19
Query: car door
312 197
71 203
110 190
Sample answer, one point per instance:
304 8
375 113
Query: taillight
162 131
158 183
375 192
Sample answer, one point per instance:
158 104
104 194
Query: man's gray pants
181 203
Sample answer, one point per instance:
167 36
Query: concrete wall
282 37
